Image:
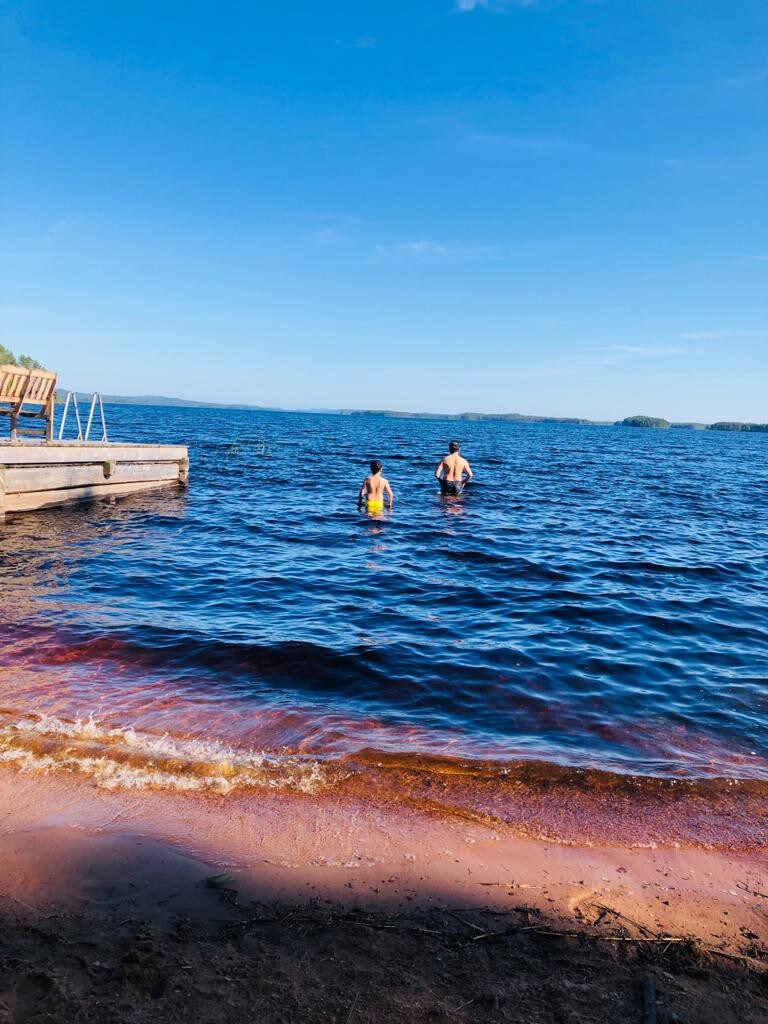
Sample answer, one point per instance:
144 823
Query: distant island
163 400
657 423
513 417
641 422
761 428
651 422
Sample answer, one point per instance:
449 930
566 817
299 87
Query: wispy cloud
324 237
425 251
360 43
641 350
759 332
543 145
730 163
760 259
69 222
498 6
323 217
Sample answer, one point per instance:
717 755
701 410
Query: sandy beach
123 906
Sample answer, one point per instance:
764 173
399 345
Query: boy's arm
361 493
389 492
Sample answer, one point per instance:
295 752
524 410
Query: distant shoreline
642 422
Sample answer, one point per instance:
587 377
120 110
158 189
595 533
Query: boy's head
453 447
375 466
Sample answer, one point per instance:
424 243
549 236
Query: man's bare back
453 471
454 467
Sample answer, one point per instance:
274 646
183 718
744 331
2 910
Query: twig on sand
731 956
461 1007
352 1007
660 940
382 926
483 910
617 913
469 924
752 892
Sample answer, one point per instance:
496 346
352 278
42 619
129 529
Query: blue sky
554 207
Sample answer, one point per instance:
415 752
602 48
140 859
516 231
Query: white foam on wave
124 758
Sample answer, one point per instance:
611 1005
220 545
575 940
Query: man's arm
439 469
467 470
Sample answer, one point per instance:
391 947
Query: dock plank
20 479
74 453
32 500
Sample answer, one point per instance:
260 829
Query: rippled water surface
596 600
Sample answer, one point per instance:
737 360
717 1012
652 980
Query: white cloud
425 251
526 143
360 43
324 236
491 5
323 217
759 332
641 350
706 335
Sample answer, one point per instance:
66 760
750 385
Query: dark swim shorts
451 488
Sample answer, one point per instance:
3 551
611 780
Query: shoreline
533 800
122 905
359 853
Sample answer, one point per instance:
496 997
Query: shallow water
595 601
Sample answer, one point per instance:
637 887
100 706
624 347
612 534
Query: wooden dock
42 475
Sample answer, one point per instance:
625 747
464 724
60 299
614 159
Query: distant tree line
7 357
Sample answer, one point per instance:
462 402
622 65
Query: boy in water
374 488
453 471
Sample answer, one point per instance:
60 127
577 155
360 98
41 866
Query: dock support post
183 472
2 495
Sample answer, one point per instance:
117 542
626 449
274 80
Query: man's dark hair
375 466
453 446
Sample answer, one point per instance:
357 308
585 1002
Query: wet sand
338 909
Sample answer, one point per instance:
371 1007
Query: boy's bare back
375 489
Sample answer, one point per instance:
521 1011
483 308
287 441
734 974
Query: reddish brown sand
340 910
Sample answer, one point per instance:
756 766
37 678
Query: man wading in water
451 470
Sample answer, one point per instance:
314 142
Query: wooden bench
27 394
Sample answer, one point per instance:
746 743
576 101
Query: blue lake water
596 599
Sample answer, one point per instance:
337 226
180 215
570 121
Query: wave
530 799
123 758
